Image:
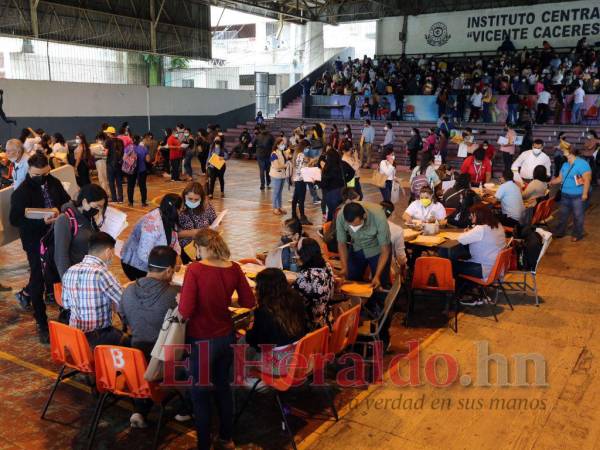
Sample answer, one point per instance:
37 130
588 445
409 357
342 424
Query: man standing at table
367 138
530 159
364 227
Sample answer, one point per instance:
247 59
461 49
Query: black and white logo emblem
437 35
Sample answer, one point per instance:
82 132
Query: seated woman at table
538 187
205 299
315 282
460 197
485 240
197 213
283 258
423 175
279 319
425 209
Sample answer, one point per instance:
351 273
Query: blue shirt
511 200
141 152
20 169
569 172
369 134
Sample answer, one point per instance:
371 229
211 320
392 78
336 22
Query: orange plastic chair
120 372
495 278
543 211
58 294
450 211
298 371
345 330
433 274
69 347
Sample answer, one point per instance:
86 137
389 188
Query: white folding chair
524 285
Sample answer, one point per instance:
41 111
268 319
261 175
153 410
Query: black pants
213 175
132 273
298 198
542 113
165 158
507 160
36 285
352 111
358 188
115 182
140 178
176 169
264 165
413 157
203 157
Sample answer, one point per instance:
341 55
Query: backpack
49 269
418 182
130 159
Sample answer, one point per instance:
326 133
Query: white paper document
502 140
218 220
115 222
310 174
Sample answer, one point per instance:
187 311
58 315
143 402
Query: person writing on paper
507 145
460 197
38 190
284 258
158 227
197 213
511 200
485 240
315 283
574 180
397 239
91 292
387 168
364 227
216 168
425 209
527 161
206 295
478 167
80 218
18 159
279 319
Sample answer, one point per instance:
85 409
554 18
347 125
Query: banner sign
561 24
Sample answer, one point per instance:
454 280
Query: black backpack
47 246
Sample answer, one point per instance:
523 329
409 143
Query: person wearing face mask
18 159
158 227
278 173
508 149
387 168
139 173
189 145
90 292
478 167
38 190
70 240
414 146
527 161
363 226
82 160
389 138
213 173
591 145
425 209
197 213
175 154
334 136
574 179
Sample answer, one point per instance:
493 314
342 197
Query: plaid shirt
88 291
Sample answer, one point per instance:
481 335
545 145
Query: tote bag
379 179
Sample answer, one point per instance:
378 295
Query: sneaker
24 300
304 221
473 302
137 421
183 417
262 188
43 335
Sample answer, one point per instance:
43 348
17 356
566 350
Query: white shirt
511 200
388 169
32 144
476 99
20 171
397 239
543 98
578 95
418 212
527 161
484 244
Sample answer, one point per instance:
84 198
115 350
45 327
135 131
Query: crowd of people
536 81
75 252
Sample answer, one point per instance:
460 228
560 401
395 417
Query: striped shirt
89 290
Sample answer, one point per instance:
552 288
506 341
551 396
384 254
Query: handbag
396 188
172 332
379 179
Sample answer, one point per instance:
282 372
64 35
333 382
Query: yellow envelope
190 250
216 161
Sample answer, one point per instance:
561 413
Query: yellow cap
110 130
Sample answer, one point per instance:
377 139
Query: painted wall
388 32
73 107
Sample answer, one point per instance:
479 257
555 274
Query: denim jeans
576 112
513 110
140 178
313 192
570 204
218 363
487 114
357 264
175 169
333 199
115 180
264 165
187 162
386 191
278 184
299 198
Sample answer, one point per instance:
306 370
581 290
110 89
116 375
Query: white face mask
537 151
385 128
78 141
192 205
281 147
355 228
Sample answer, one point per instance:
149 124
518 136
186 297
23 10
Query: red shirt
477 172
206 296
490 152
174 145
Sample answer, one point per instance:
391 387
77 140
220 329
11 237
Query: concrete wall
73 107
387 38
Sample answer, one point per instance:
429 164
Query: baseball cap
110 130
